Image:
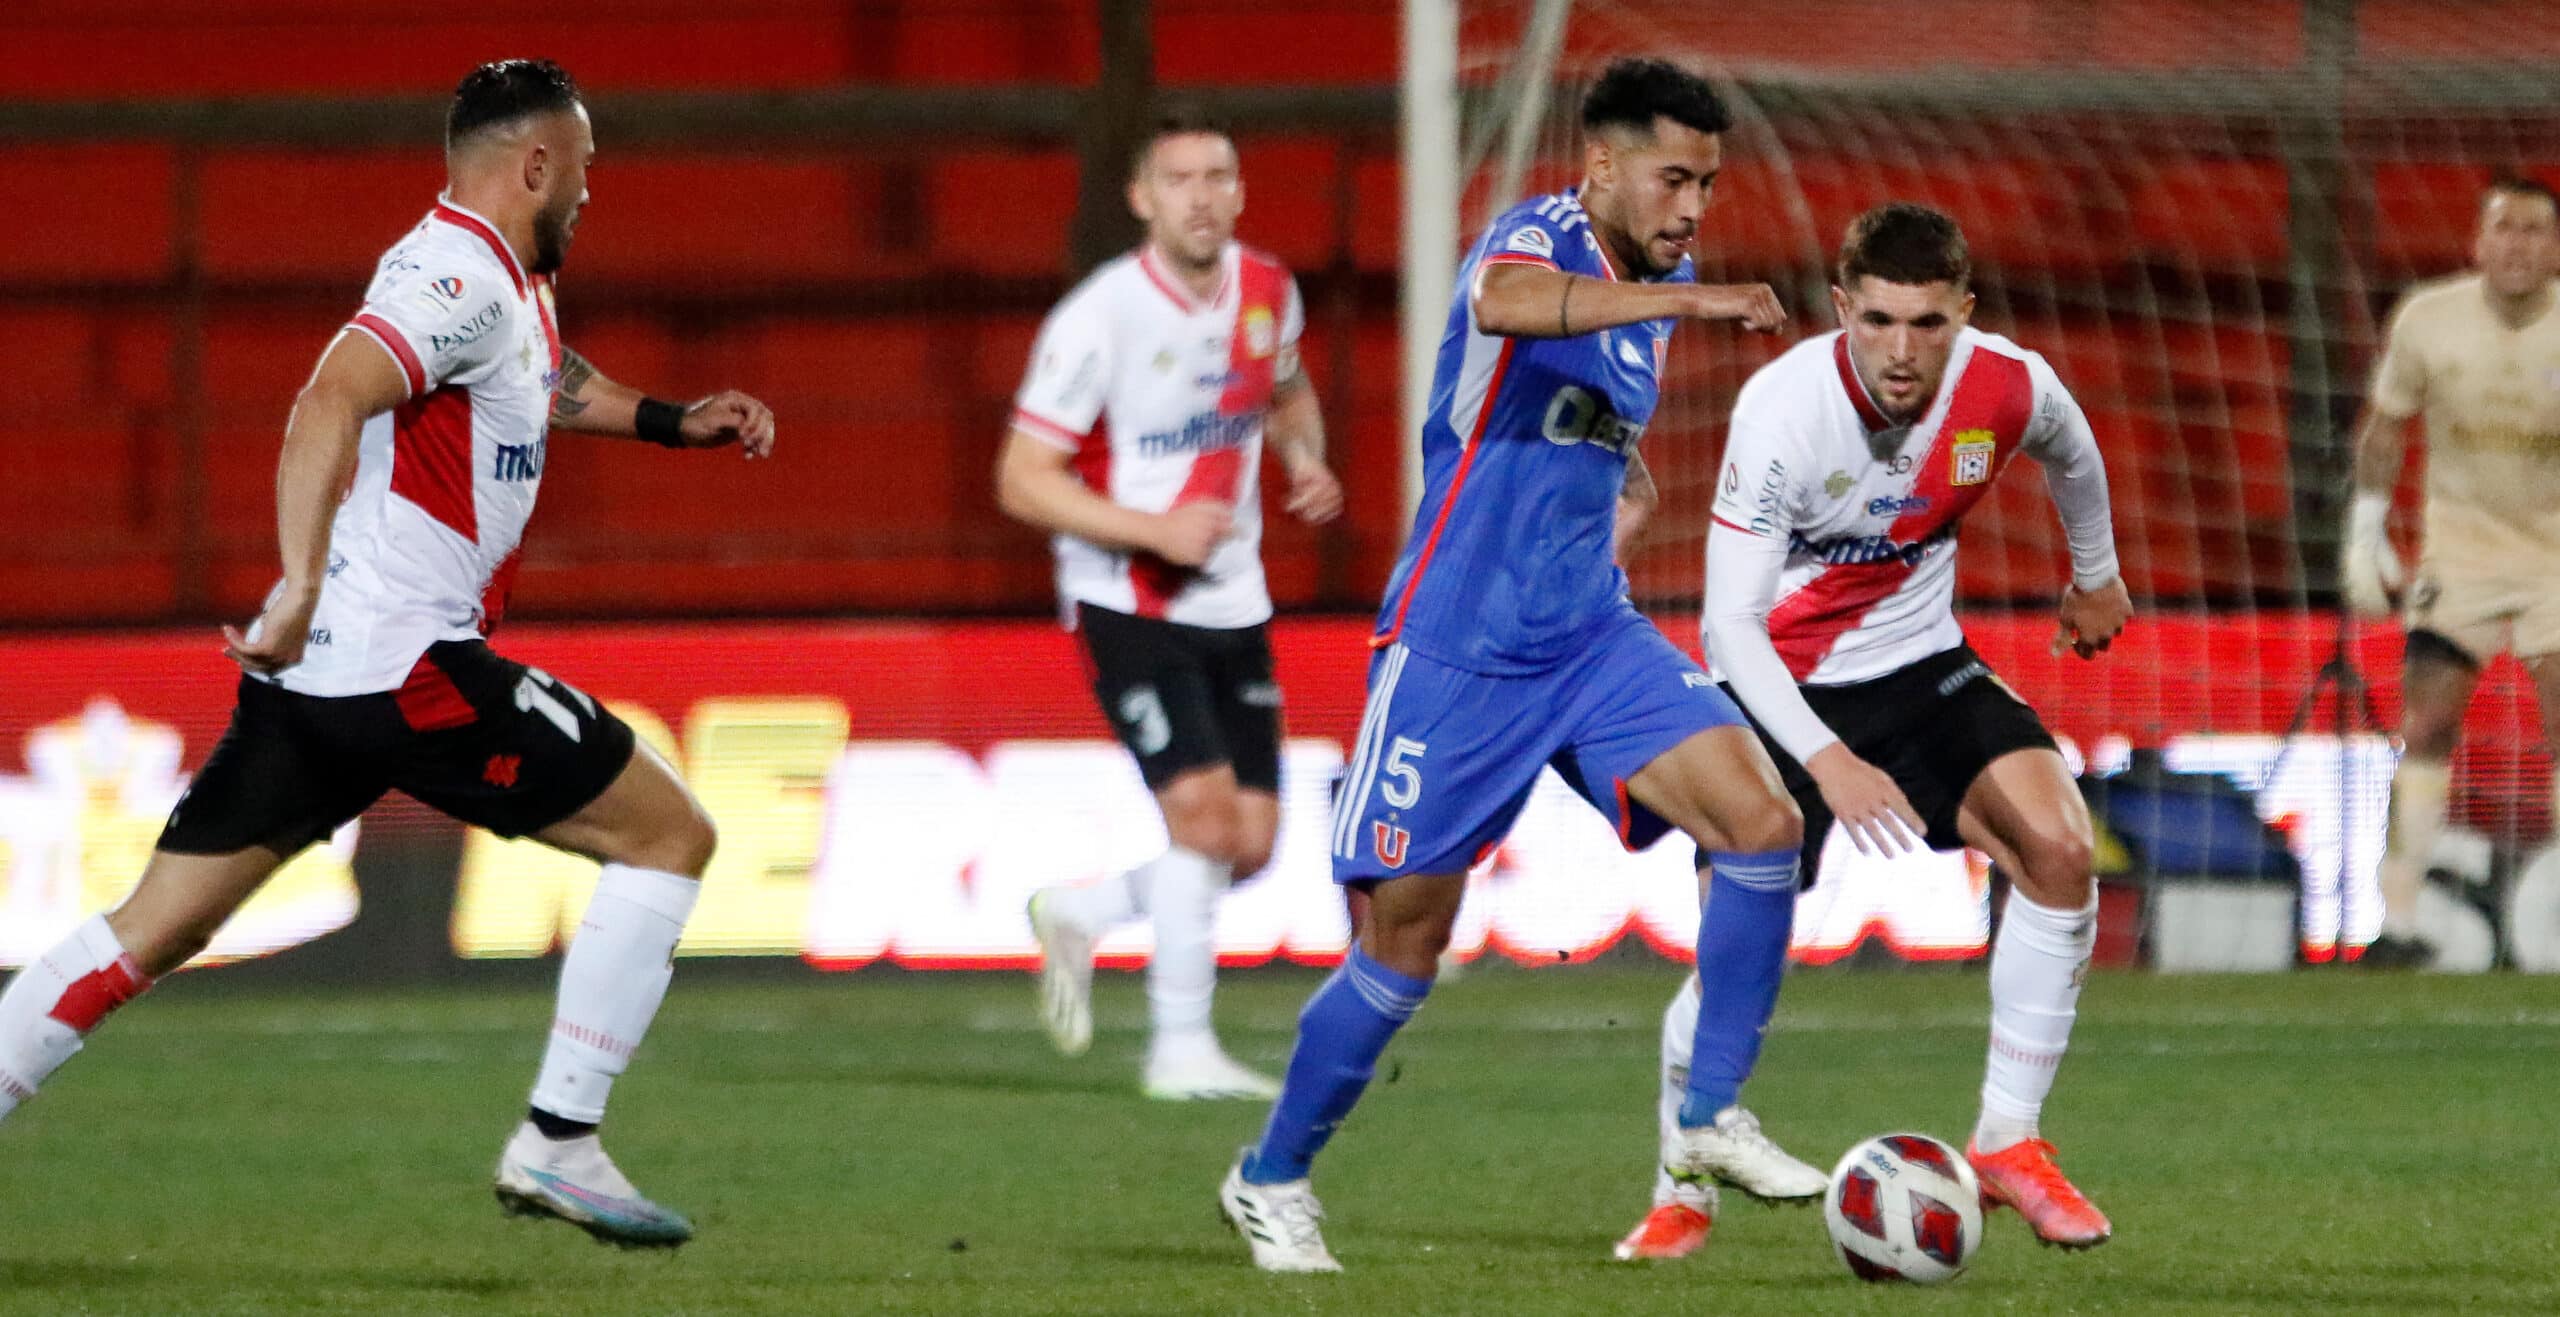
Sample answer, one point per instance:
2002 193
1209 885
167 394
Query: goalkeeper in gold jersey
2478 356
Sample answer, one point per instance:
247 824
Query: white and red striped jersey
1855 517
1161 397
424 543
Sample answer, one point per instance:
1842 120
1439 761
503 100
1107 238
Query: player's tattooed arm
1636 501
587 401
569 400
1296 430
1514 299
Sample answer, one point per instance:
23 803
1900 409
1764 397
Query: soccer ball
1904 1207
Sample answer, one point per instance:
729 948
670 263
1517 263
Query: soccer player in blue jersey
1507 644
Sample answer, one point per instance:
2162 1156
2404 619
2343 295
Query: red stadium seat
1307 41
2425 214
1290 199
993 212
102 211
2211 216
263 211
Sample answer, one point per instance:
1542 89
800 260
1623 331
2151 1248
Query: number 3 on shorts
530 696
1403 784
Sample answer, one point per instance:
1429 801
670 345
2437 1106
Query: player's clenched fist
1755 305
729 417
1188 533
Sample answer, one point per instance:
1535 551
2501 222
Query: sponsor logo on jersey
1532 242
502 770
448 288
1696 680
1973 452
1732 478
521 462
1894 506
470 331
1205 432
318 638
1261 337
1851 550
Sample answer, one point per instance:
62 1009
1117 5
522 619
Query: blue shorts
1445 757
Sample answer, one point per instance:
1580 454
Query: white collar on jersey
1172 286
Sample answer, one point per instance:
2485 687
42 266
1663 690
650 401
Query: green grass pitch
2327 1142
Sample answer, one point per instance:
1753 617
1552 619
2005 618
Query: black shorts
1186 697
485 740
1933 727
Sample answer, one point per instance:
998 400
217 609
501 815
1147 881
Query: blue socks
1341 1033
1742 953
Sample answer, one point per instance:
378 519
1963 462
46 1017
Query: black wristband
660 422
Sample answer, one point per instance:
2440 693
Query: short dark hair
1632 93
1180 119
2519 185
504 91
1902 242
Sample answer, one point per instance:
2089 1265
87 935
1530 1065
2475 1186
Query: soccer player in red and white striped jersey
1830 614
1137 441
408 471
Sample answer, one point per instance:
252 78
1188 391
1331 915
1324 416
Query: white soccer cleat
1206 1075
1066 976
1279 1222
573 1180
1733 1151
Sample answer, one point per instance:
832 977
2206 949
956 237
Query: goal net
2201 214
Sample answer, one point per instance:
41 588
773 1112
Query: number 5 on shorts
1403 784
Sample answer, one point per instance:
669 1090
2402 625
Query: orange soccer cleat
2024 1176
1673 1230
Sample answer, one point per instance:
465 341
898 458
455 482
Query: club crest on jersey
1973 453
1390 842
1260 337
1836 484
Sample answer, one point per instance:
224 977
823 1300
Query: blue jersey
1524 453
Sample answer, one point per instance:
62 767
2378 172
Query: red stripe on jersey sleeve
381 331
431 458
1049 431
1517 258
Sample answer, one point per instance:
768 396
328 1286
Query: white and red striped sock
611 982
55 1001
2037 967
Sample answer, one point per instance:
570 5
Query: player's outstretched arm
1296 430
1515 299
589 403
356 379
1034 484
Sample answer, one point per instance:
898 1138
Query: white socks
611 982
2037 968
1099 907
2420 789
1182 976
1679 1034
55 1000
